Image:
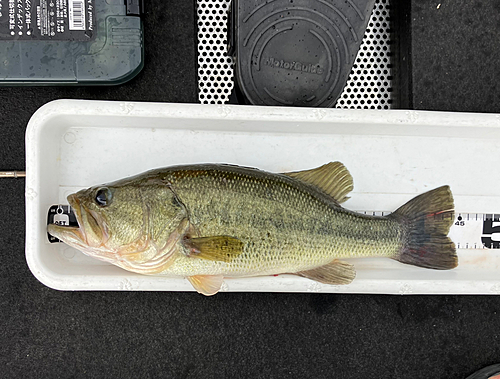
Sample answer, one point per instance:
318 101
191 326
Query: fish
208 222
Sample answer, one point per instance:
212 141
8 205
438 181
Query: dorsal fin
332 178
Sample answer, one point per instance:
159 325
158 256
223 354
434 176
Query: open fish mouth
71 235
89 236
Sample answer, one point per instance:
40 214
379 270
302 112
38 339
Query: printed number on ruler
476 231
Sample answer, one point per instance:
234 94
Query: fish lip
77 210
100 222
75 205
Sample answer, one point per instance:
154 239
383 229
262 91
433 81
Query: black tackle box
70 42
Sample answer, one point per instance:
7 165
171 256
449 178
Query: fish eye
103 197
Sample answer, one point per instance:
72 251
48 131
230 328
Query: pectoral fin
217 248
207 285
332 178
336 272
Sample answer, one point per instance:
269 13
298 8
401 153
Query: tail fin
428 219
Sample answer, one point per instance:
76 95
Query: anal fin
336 272
207 285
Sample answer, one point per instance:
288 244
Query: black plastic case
296 52
70 42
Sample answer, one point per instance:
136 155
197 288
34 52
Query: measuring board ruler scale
468 231
476 231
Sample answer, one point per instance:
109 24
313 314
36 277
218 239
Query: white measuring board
393 157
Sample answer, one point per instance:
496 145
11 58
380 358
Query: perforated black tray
296 52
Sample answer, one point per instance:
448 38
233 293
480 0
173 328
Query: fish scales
285 225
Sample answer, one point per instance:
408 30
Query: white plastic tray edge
128 281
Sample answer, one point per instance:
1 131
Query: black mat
456 65
47 333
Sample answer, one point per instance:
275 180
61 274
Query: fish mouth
71 235
80 237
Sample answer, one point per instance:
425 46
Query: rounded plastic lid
297 52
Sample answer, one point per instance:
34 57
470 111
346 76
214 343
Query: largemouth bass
210 221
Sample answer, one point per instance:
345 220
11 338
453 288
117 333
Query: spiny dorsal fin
207 285
332 178
216 248
336 272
